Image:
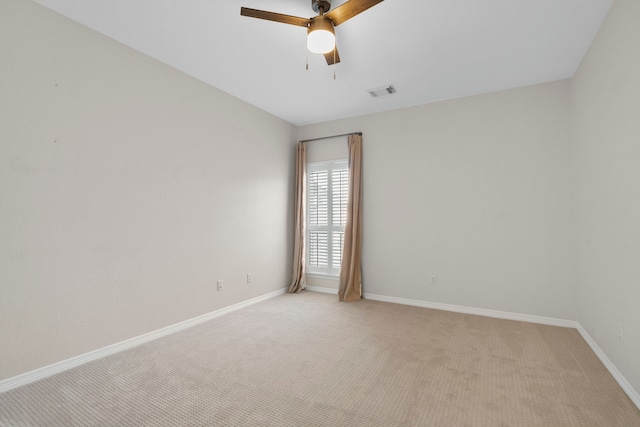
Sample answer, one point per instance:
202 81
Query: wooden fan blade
272 16
330 57
350 9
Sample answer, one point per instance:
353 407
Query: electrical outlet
219 285
249 278
434 279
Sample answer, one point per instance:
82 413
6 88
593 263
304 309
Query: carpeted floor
308 360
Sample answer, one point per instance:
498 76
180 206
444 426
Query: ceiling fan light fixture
321 37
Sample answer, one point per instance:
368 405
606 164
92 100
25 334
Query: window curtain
350 288
298 280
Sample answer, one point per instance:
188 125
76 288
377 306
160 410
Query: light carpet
308 360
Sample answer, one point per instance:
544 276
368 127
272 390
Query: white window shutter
340 193
327 197
318 198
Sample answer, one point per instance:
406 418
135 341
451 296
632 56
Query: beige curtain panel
350 288
298 280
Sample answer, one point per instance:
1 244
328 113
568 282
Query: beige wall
327 149
606 113
476 191
126 190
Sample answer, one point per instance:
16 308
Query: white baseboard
322 290
622 381
55 368
477 311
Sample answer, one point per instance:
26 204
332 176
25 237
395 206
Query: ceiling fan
320 29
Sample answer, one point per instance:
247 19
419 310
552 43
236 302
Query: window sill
335 278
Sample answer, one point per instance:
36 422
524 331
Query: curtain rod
332 136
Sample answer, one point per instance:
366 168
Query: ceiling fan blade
330 57
272 16
350 9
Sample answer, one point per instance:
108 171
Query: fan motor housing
325 5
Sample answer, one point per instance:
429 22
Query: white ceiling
430 50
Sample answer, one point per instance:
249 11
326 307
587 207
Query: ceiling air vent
382 91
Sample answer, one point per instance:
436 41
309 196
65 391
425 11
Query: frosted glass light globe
321 41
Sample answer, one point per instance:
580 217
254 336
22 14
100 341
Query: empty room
320 213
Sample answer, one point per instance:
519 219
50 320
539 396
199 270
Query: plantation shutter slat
319 198
337 243
319 248
340 193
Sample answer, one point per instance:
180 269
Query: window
327 192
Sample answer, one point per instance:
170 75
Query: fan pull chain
334 63
335 48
